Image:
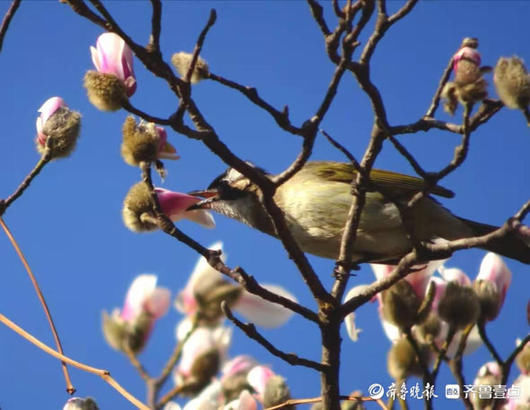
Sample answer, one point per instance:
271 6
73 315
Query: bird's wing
393 182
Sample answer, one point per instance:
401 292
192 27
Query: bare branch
156 22
10 13
104 374
69 387
250 330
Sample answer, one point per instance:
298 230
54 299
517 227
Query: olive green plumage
316 202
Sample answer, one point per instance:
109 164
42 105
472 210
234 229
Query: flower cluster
435 309
206 341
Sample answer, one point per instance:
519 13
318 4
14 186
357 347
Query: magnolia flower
491 285
144 304
138 213
237 365
244 402
202 353
77 403
114 82
431 328
112 56
468 86
210 398
145 142
57 128
258 378
208 286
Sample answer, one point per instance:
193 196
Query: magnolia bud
512 82
144 142
276 392
206 366
105 91
77 403
57 128
402 360
181 61
429 329
459 306
234 385
400 305
488 376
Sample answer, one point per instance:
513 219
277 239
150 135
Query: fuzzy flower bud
77 403
459 306
202 354
402 361
276 392
57 128
468 86
400 305
491 285
138 214
129 329
145 142
489 375
181 61
512 83
245 401
114 81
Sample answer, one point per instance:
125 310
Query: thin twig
294 402
156 23
487 342
104 374
10 13
250 330
69 387
438 93
44 159
136 363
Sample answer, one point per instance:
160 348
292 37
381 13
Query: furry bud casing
181 61
105 91
459 306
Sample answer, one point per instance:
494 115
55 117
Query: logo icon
452 391
376 391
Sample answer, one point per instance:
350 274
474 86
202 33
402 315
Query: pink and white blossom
244 402
165 149
493 269
50 106
144 296
467 54
175 205
258 378
113 56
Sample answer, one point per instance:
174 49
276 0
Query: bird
316 201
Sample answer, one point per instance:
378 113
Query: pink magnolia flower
493 269
254 308
112 56
201 341
258 378
144 297
46 111
244 402
165 149
175 205
77 403
210 398
467 54
239 364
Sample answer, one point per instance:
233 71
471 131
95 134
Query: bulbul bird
316 202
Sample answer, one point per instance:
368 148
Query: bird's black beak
210 195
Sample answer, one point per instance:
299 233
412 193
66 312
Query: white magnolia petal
263 312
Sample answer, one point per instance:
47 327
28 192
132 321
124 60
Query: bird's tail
510 245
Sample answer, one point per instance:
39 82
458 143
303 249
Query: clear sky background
69 223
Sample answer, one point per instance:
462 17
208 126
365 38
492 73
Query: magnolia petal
95 58
172 406
380 271
244 402
493 269
258 378
351 328
139 291
454 275
202 217
263 312
238 364
158 302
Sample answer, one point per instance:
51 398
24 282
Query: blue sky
69 225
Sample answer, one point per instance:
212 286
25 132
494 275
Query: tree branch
250 330
10 13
